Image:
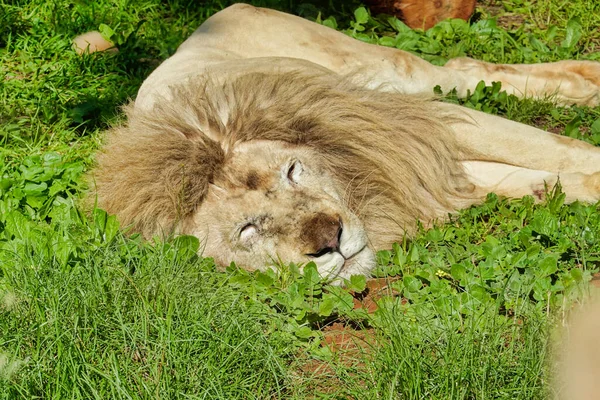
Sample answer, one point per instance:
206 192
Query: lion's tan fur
396 158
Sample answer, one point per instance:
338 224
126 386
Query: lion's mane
393 153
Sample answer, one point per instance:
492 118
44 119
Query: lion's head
274 202
288 167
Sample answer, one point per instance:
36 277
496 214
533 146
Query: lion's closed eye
247 231
295 171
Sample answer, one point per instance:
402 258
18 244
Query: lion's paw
592 184
590 72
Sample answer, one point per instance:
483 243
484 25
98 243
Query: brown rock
423 13
91 42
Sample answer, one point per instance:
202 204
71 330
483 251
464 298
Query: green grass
86 312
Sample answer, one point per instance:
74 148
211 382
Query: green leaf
541 288
106 31
327 305
311 275
36 202
573 33
547 266
264 279
387 41
479 293
576 274
344 302
16 224
411 283
304 332
57 187
413 254
399 255
31 173
484 26
361 15
596 127
330 23
458 271
408 44
358 283
551 33
537 45
5 184
239 280
51 158
100 217
572 128
384 257
398 25
186 245
35 188
63 250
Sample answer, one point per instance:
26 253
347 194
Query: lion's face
275 202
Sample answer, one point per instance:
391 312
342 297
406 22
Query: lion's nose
321 234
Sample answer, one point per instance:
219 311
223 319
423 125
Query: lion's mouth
353 256
335 267
350 256
360 263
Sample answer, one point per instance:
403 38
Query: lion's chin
336 268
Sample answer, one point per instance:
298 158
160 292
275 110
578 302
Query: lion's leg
275 34
511 181
513 160
485 137
568 82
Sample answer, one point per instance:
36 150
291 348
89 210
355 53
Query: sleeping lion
297 143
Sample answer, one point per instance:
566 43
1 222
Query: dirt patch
494 9
351 350
375 290
545 122
351 346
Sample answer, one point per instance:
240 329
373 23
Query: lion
299 144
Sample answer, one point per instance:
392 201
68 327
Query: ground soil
351 346
504 19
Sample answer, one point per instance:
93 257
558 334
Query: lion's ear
154 176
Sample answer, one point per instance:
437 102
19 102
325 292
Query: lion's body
301 144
